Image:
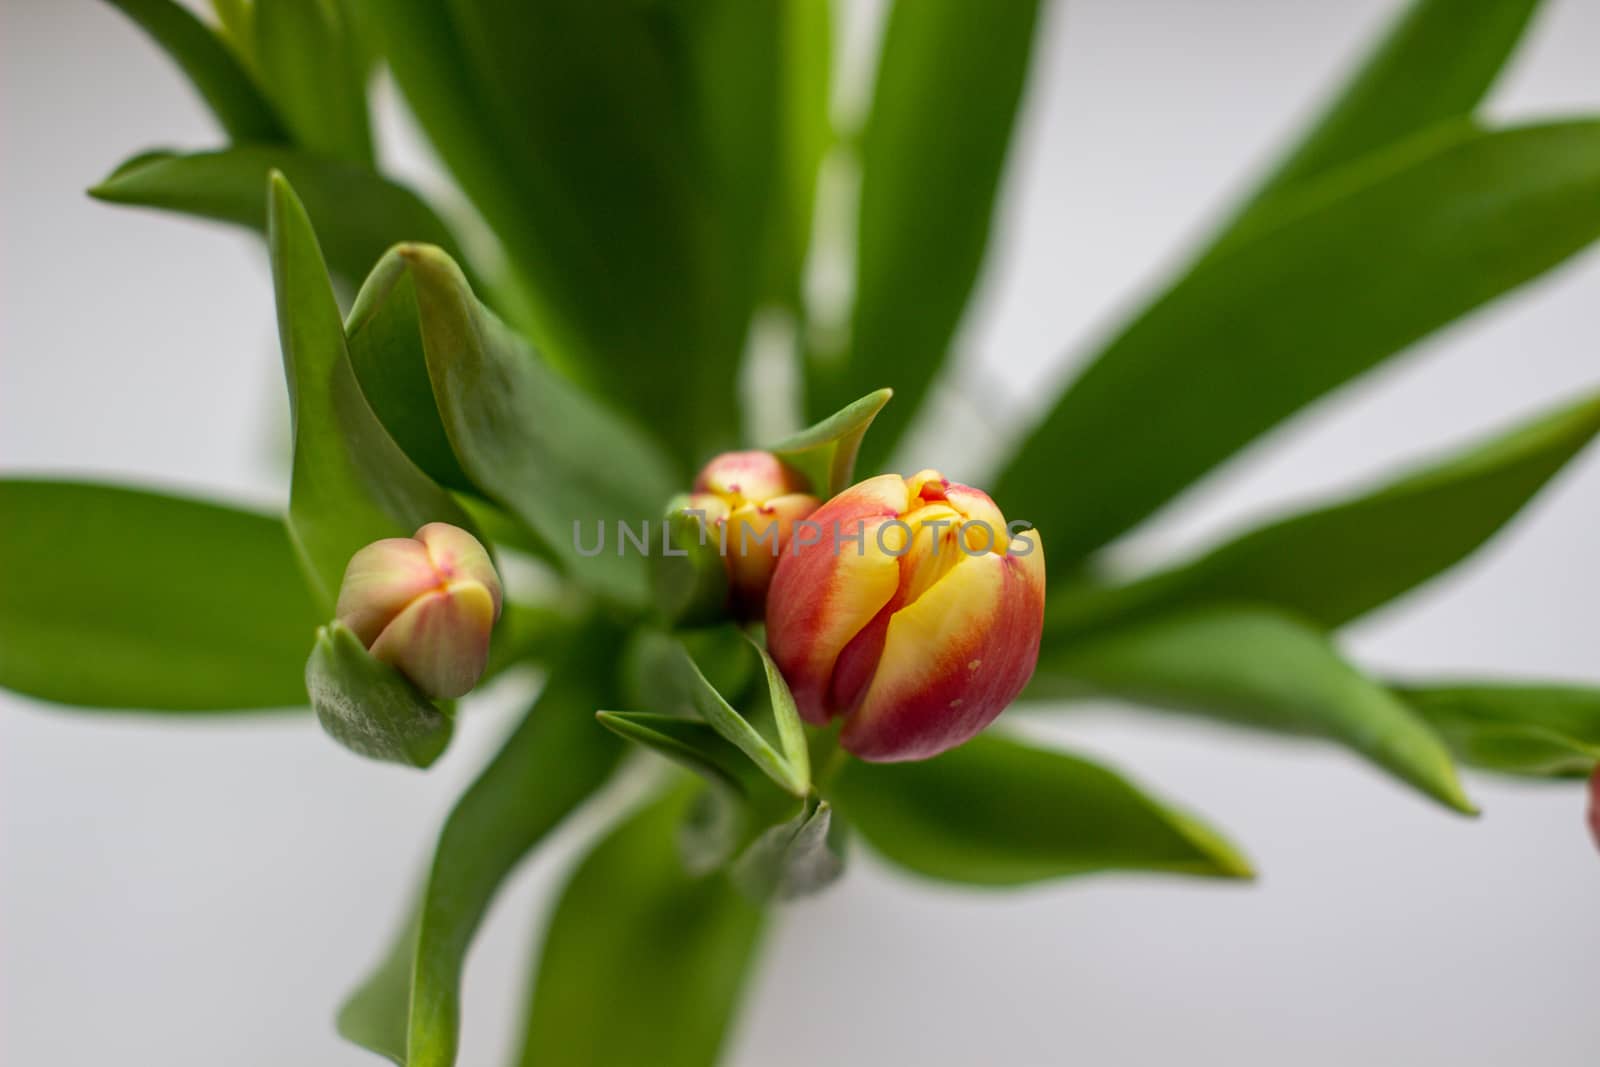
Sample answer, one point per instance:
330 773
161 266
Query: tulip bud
750 502
425 605
906 608
1594 805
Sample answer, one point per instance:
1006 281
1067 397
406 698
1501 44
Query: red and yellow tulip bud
750 502
904 606
425 605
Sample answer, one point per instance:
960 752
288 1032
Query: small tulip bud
425 605
906 608
751 501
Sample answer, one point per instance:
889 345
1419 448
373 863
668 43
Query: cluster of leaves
648 170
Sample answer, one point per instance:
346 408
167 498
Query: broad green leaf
1264 669
795 858
557 460
789 765
210 67
358 213
805 54
1435 64
374 1016
351 484
642 963
554 760
1537 730
311 64
998 812
1368 262
826 452
121 598
597 196
368 706
950 77
1334 563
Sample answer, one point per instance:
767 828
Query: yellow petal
441 640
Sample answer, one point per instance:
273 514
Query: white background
204 894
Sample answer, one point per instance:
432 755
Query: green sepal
368 706
826 452
688 575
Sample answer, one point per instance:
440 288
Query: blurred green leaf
950 77
1434 64
690 743
642 963
688 576
554 761
120 598
998 812
556 459
1264 669
1334 563
789 765
358 213
795 858
351 484
368 706
826 452
805 56
596 195
210 67
1366 263
311 64
1537 730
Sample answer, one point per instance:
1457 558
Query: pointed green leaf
312 66
792 769
351 484
368 706
560 462
121 598
1337 562
1372 260
1435 64
642 963
554 761
211 68
950 78
795 858
688 742
826 452
1263 669
358 213
1527 729
998 812
374 1016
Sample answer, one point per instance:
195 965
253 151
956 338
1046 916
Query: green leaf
374 1016
1263 669
795 858
642 963
210 67
826 452
597 196
805 57
311 64
368 706
997 812
1535 730
351 484
1435 64
1368 262
689 743
950 78
790 764
553 761
688 576
556 459
121 598
358 213
1337 562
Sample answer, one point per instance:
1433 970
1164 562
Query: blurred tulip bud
425 605
1594 805
750 502
906 607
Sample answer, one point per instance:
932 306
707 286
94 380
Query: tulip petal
826 590
457 554
953 659
379 581
757 537
748 476
441 641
